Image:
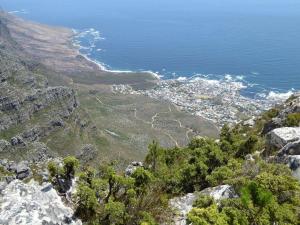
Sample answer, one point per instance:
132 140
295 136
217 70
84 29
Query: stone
3 162
17 141
279 137
220 192
40 152
273 124
4 145
183 205
2 186
87 153
9 179
31 135
57 123
22 171
34 204
132 167
292 148
12 167
293 161
250 122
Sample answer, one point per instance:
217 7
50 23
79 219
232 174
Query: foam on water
87 42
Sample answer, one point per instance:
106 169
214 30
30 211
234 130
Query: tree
115 213
87 202
70 164
154 153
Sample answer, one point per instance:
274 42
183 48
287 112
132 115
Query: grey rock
293 161
17 141
250 122
4 145
45 176
273 124
31 135
40 152
292 148
57 123
12 167
9 179
33 204
3 162
22 171
279 137
220 192
2 186
87 153
183 205
130 169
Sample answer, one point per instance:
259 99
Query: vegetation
293 120
266 192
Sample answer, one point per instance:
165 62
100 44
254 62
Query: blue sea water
256 41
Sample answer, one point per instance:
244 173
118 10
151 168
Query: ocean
255 42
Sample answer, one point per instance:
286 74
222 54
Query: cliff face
29 108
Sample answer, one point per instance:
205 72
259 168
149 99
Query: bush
203 201
292 120
70 164
87 202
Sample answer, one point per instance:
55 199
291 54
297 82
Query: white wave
281 96
240 77
182 78
22 11
228 77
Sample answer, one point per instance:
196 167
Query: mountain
66 136
55 101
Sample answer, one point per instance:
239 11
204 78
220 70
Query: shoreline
268 94
100 65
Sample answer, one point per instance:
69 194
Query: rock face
87 153
183 205
19 170
4 145
132 167
292 106
279 137
294 163
287 140
33 204
220 192
30 109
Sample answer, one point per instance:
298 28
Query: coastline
100 65
214 100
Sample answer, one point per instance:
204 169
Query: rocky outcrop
4 145
287 140
19 109
33 204
280 137
132 167
293 161
19 170
220 192
87 153
291 106
183 205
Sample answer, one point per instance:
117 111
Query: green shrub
203 201
70 164
292 120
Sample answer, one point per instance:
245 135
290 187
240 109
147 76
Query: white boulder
32 203
183 205
281 136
